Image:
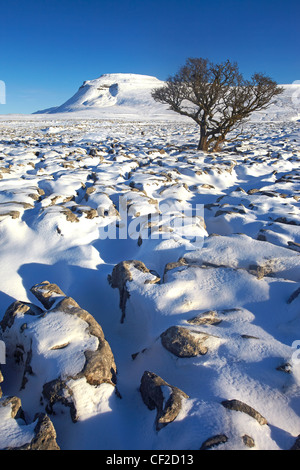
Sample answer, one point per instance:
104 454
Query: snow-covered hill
129 95
115 94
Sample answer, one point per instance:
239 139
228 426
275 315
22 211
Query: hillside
114 94
129 95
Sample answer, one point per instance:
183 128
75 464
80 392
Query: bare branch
216 97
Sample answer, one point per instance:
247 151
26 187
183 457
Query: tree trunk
203 144
219 142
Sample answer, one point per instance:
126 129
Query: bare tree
216 97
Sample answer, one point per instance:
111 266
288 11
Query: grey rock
260 271
100 365
286 367
122 274
182 343
152 393
16 406
44 432
214 441
18 308
206 318
47 293
294 246
57 391
248 441
177 264
238 405
44 438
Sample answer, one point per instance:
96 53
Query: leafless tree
216 97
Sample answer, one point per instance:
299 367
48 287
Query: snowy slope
114 94
127 95
285 107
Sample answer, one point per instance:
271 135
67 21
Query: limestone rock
237 405
47 293
248 441
57 391
18 308
214 441
123 273
43 344
167 400
13 428
45 435
182 343
181 262
16 406
206 318
100 365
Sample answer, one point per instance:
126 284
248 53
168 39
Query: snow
144 180
13 432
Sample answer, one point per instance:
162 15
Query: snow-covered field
188 263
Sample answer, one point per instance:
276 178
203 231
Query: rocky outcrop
178 264
18 308
100 365
209 317
24 436
45 435
166 399
248 441
182 343
238 405
57 391
124 272
47 293
214 441
62 345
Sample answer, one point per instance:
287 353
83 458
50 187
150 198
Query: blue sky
49 47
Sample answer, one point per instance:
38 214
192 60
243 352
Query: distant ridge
116 93
128 95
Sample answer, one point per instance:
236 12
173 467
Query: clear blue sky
49 47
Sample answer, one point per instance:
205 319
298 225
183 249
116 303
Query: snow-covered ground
210 304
